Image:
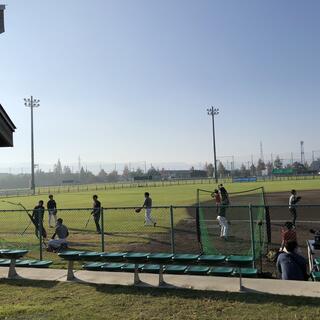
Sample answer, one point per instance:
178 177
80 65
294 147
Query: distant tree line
265 169
63 175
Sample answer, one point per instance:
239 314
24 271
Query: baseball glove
137 210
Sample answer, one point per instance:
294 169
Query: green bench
11 258
315 275
161 263
239 262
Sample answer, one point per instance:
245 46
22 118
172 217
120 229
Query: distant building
2 7
182 174
315 166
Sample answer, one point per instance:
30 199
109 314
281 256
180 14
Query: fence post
252 236
172 230
102 229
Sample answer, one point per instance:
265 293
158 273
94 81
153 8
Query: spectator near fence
291 265
288 233
61 243
52 210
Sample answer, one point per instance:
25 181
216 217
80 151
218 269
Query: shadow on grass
22 282
244 297
248 297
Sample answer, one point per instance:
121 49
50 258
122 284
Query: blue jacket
291 266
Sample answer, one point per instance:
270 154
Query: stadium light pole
32 103
214 112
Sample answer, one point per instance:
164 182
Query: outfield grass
166 195
52 300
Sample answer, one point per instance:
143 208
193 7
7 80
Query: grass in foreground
53 300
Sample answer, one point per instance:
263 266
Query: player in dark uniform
224 223
52 210
37 219
96 212
148 206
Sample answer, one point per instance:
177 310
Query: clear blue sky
124 81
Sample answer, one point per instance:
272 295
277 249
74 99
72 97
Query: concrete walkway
270 286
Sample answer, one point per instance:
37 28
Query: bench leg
161 280
70 274
12 269
136 279
241 287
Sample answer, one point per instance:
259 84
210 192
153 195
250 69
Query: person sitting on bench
56 245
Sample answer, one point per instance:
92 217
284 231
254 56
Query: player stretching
292 209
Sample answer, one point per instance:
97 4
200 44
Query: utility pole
214 112
261 152
32 103
302 152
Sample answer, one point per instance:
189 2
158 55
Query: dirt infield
308 217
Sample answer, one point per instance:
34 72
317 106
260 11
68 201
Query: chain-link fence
177 229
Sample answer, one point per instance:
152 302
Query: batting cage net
242 228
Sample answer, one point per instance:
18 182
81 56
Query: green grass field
167 195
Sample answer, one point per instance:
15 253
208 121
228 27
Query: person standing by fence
37 219
52 210
216 196
224 195
148 205
292 209
221 215
96 212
